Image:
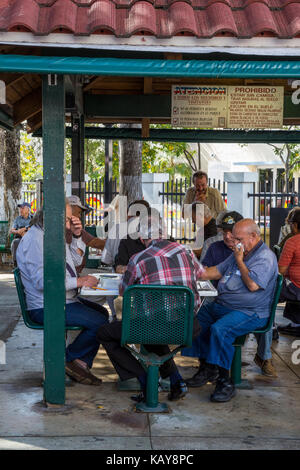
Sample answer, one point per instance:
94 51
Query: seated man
131 244
86 238
289 266
162 263
206 225
247 280
81 353
216 254
20 226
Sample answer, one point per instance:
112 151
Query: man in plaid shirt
162 263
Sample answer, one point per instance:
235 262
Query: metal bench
236 366
156 315
4 238
22 300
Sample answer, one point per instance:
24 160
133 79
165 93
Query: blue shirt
30 261
233 293
216 253
21 222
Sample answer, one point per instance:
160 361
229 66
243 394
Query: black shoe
289 330
178 390
139 397
224 391
204 375
275 334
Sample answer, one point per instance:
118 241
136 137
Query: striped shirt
164 263
290 257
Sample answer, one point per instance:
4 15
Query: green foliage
30 157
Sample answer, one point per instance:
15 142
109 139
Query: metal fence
264 200
94 192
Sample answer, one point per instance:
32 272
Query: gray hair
38 219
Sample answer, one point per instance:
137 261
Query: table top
205 288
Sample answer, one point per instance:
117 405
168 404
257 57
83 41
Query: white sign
212 106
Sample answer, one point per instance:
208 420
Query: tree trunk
10 174
130 168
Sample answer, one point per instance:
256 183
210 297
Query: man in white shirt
81 353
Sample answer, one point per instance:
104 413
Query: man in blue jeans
79 312
247 280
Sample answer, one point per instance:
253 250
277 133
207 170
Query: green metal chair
156 315
4 238
236 366
22 300
90 263
277 250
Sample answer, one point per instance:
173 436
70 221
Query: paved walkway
266 417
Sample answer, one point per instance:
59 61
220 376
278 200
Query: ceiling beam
28 106
188 135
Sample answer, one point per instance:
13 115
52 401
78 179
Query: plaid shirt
164 263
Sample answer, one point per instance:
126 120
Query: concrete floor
266 417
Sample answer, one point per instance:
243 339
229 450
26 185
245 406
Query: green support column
54 238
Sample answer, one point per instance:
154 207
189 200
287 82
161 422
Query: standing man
204 193
247 281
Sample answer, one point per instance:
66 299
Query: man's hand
87 281
121 269
200 196
76 226
238 253
22 231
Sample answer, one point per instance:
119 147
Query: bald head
247 232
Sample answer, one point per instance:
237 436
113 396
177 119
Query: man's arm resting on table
211 274
97 243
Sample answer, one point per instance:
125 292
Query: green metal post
78 180
54 238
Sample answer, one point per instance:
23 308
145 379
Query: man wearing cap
20 226
86 238
21 223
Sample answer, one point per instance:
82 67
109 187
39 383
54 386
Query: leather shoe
139 397
289 330
178 390
81 375
224 391
205 374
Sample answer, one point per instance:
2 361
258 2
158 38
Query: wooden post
54 238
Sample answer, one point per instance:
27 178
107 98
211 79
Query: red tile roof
160 18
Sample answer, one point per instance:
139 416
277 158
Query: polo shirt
21 222
234 294
213 199
290 257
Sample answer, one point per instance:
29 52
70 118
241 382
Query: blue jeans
220 326
90 317
264 343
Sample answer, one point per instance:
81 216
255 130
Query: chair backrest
277 251
273 305
157 315
22 299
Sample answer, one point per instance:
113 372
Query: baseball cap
229 219
75 201
25 204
